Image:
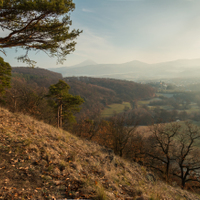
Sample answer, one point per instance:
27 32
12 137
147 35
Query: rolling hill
42 77
96 92
100 92
135 70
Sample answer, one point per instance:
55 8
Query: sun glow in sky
118 31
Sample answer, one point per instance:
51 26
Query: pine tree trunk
58 117
61 116
15 105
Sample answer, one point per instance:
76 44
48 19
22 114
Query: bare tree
134 150
121 133
187 155
172 150
160 147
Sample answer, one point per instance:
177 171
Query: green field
114 108
193 107
146 102
118 108
168 95
141 103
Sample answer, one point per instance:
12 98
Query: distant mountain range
134 70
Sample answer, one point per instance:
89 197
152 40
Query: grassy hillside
39 161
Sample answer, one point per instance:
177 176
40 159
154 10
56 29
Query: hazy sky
117 31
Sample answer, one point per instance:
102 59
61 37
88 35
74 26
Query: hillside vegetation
43 77
124 90
30 85
39 161
101 92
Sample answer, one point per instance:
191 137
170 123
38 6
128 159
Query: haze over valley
135 70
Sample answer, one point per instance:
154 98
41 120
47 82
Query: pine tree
66 104
39 25
5 75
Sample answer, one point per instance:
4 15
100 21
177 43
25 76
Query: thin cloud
87 10
126 0
98 48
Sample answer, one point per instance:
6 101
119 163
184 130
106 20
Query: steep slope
39 161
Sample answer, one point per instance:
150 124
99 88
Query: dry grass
38 161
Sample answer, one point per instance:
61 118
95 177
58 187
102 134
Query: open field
114 108
193 108
168 95
118 108
145 102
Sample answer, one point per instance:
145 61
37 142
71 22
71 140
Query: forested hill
101 92
123 90
115 90
42 77
96 92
